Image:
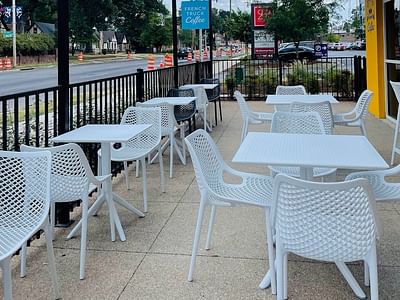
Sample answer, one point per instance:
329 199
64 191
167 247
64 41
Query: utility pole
14 31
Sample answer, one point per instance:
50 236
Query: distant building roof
45 27
108 35
120 37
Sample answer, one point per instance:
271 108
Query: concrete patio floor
153 262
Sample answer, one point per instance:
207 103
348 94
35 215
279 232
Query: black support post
140 85
63 209
175 42
211 40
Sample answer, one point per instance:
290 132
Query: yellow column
374 23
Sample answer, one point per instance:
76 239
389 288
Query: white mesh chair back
208 163
70 172
300 123
168 121
149 138
361 108
323 108
244 109
290 90
324 221
24 197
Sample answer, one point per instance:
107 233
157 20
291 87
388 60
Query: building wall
375 56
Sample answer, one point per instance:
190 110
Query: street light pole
14 31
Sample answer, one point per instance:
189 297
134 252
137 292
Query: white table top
289 99
309 150
206 86
100 133
169 100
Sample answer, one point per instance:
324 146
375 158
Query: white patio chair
323 108
355 117
139 147
333 222
288 90
72 179
202 105
210 168
299 123
249 116
24 209
396 149
383 190
169 128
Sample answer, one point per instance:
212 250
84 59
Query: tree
132 16
239 28
158 31
297 20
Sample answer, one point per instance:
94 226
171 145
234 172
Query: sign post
263 44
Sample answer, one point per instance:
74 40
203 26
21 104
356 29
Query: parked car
289 53
184 52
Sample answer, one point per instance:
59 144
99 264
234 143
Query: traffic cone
205 54
129 55
80 56
1 64
197 55
168 60
150 62
189 59
8 64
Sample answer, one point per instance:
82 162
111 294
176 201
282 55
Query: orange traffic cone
168 60
189 59
129 55
150 62
205 54
8 64
80 56
197 55
1 64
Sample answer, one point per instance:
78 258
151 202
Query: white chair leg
126 174
350 280
52 263
83 238
23 260
364 129
137 168
160 160
7 285
366 273
196 238
182 132
271 256
52 219
396 132
210 226
279 271
144 175
373 273
285 276
244 130
171 154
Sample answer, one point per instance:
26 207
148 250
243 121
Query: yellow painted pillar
374 24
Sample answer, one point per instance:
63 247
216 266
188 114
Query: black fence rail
342 77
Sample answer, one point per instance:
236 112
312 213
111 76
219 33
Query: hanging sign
195 15
260 12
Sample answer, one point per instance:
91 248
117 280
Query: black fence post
357 77
140 85
280 72
197 72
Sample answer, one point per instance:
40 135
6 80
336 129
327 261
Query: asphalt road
27 80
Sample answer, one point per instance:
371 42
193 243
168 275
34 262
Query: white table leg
266 281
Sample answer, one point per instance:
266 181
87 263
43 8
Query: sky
348 5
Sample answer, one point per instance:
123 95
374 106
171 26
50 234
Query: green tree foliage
332 38
158 31
239 26
297 20
132 16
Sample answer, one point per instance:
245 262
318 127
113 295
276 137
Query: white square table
289 99
308 151
170 100
106 135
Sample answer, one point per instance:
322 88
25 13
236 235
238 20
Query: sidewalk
154 261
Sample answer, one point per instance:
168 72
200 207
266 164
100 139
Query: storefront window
392 34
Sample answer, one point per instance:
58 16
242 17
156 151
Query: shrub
340 81
301 76
268 81
28 44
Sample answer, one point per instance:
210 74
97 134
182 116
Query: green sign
8 34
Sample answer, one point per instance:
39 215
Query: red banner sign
260 13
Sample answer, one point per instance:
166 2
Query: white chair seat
127 153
